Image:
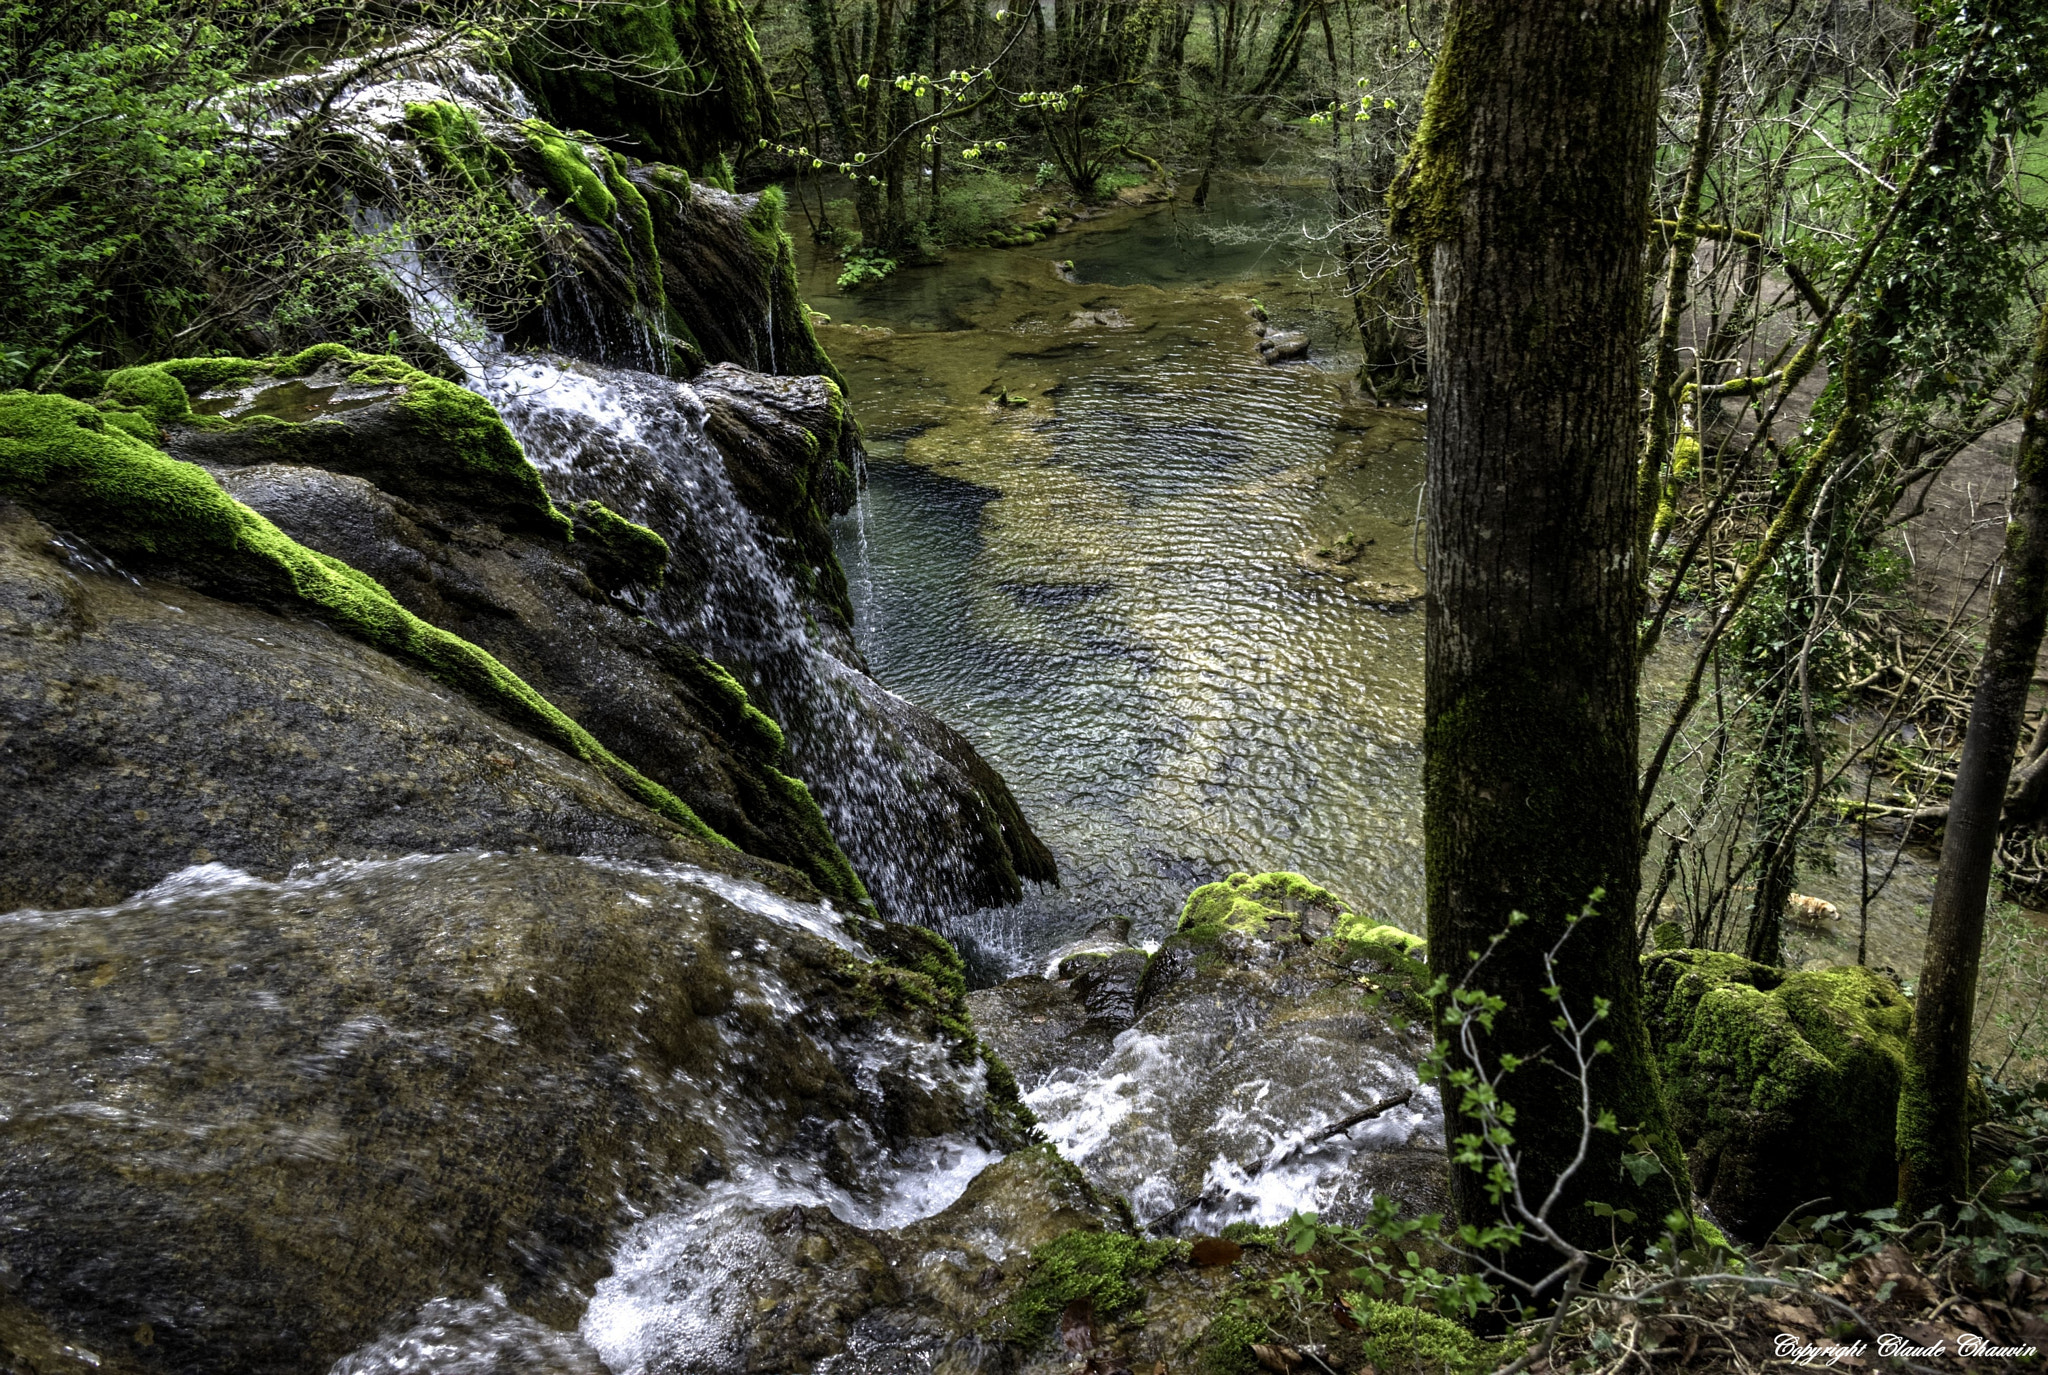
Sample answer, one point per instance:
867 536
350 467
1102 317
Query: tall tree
1525 195
1934 1131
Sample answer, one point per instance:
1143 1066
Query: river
1089 538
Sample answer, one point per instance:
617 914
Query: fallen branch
1318 1138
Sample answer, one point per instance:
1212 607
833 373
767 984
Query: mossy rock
1399 1340
1252 904
1281 906
632 554
682 79
1248 919
437 443
63 460
1783 1086
1100 1266
457 147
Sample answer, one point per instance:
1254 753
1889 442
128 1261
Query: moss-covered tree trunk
1934 1132
1526 195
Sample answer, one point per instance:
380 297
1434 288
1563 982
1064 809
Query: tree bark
1934 1133
1526 195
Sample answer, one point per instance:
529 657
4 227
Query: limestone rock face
258 1123
1783 1086
535 604
145 727
1201 1079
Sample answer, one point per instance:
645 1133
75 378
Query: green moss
766 734
640 219
824 862
1081 1264
456 146
471 448
1249 903
916 967
152 391
1784 1086
204 374
1778 1031
642 552
672 179
1365 931
569 174
1226 1344
797 350
60 457
1400 1340
1424 202
1002 1088
468 433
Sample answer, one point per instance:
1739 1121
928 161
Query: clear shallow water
1089 541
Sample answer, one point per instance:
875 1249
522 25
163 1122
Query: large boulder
482 563
145 727
1783 1085
251 1126
1208 1081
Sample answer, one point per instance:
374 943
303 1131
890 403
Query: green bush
864 268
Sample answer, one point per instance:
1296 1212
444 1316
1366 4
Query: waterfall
636 441
600 421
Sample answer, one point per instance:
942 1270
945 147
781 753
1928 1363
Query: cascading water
599 421
636 441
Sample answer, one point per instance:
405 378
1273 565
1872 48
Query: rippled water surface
1089 539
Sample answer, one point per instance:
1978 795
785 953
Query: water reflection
1090 537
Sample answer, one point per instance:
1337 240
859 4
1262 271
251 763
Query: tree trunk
1526 194
1934 1133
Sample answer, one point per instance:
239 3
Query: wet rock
1273 1012
1783 1086
782 441
477 554
1107 984
736 1283
417 437
1283 346
257 1126
927 822
145 727
537 607
628 92
730 272
1040 1025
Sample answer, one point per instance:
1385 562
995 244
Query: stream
1089 538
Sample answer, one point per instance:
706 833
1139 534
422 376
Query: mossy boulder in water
1783 1085
1274 1014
